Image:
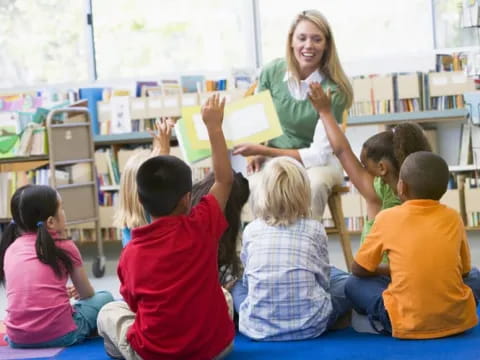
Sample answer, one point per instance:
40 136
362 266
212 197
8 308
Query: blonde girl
131 214
288 290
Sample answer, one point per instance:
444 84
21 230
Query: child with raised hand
375 175
430 293
288 290
174 305
229 265
130 213
36 262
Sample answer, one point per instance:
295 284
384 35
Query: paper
252 119
121 118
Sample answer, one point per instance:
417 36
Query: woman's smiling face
308 45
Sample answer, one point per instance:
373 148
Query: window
42 42
367 29
142 38
449 17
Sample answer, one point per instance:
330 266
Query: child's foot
361 324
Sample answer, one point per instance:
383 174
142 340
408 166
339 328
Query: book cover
251 119
189 154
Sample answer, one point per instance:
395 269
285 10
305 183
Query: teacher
311 56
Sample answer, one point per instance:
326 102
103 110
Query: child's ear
402 189
383 167
50 223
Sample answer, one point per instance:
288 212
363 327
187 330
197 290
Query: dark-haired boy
427 296
174 306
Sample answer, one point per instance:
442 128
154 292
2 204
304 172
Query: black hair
228 260
396 144
162 181
31 206
426 175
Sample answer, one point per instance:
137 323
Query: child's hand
255 164
161 136
319 99
212 112
72 292
248 149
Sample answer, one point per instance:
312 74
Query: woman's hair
31 206
282 195
329 64
396 144
130 213
227 251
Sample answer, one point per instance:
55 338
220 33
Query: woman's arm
358 175
248 149
81 283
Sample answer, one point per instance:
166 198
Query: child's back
170 270
285 292
287 271
429 256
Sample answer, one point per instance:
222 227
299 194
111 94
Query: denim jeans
85 318
340 303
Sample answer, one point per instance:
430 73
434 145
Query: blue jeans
366 296
85 318
340 303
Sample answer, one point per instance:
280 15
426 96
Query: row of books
408 92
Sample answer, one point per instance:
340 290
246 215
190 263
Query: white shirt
320 152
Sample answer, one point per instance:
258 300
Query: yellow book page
252 119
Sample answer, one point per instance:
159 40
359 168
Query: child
376 176
35 264
174 306
427 296
229 267
130 213
289 291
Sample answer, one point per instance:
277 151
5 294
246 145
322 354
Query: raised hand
161 136
212 112
319 99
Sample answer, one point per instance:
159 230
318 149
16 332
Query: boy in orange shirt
427 296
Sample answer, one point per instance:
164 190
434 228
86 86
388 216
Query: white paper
121 118
157 104
200 127
170 101
138 105
245 122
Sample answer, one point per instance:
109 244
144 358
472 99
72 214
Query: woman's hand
161 136
319 99
249 149
255 164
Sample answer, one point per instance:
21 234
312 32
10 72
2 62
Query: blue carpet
344 344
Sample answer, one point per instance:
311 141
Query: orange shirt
428 252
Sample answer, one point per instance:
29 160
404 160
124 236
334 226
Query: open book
251 119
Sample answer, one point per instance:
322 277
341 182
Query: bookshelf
69 146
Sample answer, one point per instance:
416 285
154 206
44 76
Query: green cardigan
298 118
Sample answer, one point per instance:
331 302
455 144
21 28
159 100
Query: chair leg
335 204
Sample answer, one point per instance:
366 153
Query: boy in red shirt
174 306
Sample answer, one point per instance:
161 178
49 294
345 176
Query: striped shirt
287 275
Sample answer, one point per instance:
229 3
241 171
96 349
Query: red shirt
169 278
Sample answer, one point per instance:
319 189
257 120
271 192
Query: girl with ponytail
36 262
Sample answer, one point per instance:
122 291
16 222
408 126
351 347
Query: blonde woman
288 290
311 56
131 214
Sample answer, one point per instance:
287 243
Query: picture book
251 119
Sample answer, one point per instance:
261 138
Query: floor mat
342 344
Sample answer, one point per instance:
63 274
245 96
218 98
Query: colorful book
189 154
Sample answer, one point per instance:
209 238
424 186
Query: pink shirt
38 307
